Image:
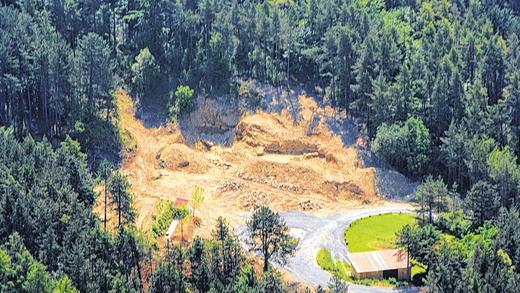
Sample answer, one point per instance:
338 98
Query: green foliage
64 285
145 74
20 272
454 222
269 236
405 147
54 217
504 171
163 218
183 103
336 267
434 83
431 196
483 201
418 241
121 198
197 197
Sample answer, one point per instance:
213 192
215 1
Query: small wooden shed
380 264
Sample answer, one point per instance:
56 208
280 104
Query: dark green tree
145 74
104 171
268 235
120 196
483 201
431 196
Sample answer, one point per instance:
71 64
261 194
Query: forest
434 86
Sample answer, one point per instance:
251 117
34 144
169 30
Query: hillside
272 160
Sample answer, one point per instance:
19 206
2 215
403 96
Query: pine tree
365 73
93 72
104 171
269 236
493 72
483 201
119 191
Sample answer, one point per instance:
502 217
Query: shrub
405 147
181 102
164 218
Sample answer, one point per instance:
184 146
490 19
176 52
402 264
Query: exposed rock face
214 119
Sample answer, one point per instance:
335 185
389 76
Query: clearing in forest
271 161
376 232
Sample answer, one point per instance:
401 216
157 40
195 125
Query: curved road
327 233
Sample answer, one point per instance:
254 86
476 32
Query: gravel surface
328 233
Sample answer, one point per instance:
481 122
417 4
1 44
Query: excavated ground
272 160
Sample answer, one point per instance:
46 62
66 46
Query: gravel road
316 233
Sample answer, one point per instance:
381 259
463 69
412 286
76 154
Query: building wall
368 275
401 273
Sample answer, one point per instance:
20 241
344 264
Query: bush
455 223
181 102
145 73
325 260
164 218
405 147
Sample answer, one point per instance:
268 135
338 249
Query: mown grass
339 268
376 232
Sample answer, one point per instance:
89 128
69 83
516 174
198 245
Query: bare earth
272 160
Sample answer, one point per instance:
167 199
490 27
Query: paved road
328 233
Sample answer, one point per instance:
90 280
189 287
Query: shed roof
379 260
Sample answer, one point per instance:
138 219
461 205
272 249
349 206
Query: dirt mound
179 157
274 133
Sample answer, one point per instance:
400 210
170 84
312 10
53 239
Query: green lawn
376 232
339 268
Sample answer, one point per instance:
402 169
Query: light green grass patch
338 268
418 268
376 232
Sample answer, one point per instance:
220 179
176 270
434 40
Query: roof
380 260
180 202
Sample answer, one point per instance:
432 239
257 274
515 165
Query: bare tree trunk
105 222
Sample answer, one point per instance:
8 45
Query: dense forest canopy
434 86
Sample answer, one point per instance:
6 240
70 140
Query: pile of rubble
220 164
271 182
231 185
255 199
308 205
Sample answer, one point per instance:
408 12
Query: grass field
339 268
376 232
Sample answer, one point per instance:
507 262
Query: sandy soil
273 160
